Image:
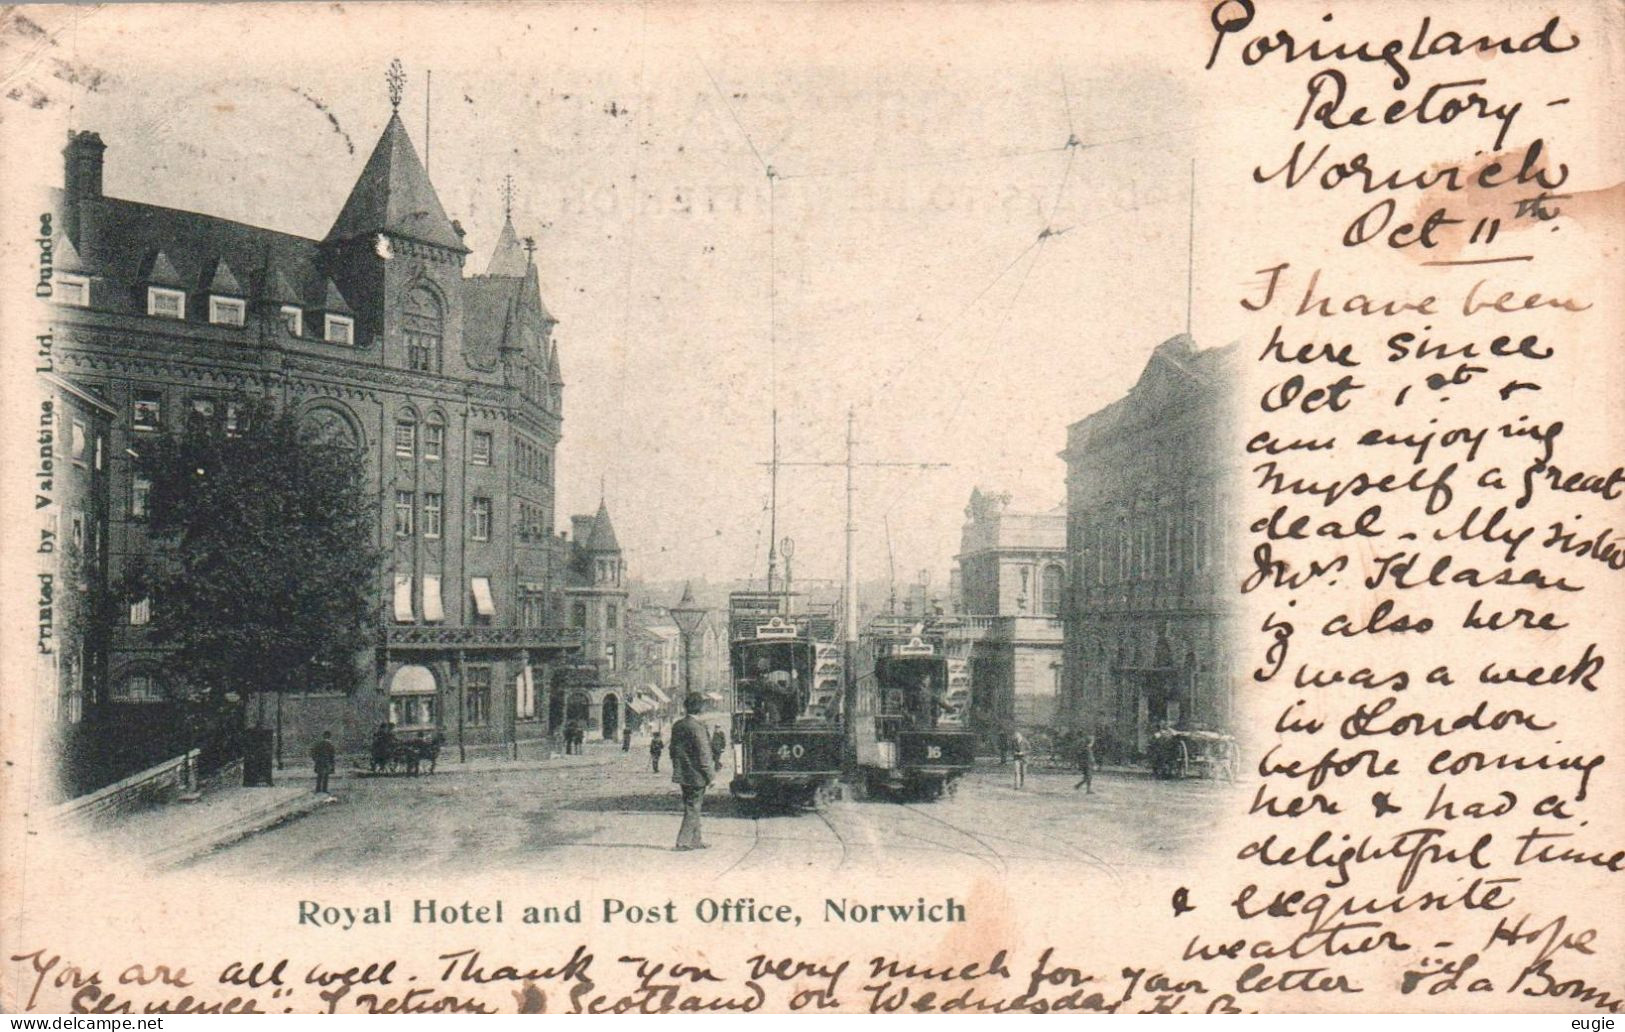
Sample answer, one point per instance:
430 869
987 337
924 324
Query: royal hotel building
380 338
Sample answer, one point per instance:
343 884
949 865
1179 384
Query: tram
787 676
910 726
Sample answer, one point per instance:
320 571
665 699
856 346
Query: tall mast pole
850 594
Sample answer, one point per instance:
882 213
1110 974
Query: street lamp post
690 617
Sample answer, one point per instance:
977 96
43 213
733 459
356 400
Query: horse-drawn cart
1193 754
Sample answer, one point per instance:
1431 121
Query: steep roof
602 536
123 239
393 195
509 257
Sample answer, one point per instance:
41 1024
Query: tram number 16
933 752
792 752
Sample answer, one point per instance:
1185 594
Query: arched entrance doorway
611 716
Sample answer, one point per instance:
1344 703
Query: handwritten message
1434 513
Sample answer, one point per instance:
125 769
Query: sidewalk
177 832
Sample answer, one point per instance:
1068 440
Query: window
406 438
225 311
166 304
140 497
479 519
339 329
412 710
609 655
141 612
81 441
532 608
480 451
578 615
139 688
101 449
146 411
403 598
432 509
201 411
434 609
403 513
524 696
434 440
477 695
611 617
236 418
72 290
293 317
1050 584
422 330
485 607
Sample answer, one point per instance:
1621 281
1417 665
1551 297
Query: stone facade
378 337
1009 588
1149 511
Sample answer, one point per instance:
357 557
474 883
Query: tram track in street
996 859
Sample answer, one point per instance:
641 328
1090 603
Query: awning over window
412 680
403 598
484 605
434 609
654 689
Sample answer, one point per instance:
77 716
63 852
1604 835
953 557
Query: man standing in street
626 739
321 755
656 747
691 769
1018 746
1086 763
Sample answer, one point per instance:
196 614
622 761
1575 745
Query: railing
476 637
138 791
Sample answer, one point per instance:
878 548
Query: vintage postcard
834 508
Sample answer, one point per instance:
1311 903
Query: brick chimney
81 180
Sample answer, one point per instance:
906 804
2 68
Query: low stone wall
142 790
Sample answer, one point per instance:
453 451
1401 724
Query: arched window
328 426
423 329
1051 590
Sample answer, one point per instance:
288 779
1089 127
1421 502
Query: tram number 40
792 752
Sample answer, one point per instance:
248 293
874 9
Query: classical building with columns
1150 505
379 336
1008 589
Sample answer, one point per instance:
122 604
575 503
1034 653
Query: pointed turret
601 538
393 195
509 258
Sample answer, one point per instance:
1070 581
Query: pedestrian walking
380 747
1086 764
1018 750
719 745
322 758
691 770
1004 747
656 747
626 739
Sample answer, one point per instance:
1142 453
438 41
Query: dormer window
340 329
227 311
72 290
165 303
293 317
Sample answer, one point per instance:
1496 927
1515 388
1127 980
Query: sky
809 208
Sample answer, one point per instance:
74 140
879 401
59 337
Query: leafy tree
266 574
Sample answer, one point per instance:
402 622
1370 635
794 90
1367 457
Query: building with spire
379 337
595 688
